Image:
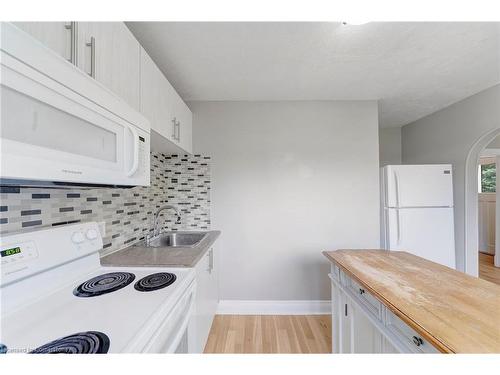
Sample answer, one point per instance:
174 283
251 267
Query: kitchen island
393 302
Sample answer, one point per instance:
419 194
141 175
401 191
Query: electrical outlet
102 228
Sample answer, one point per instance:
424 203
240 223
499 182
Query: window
488 177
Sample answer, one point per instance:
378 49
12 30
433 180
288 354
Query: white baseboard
294 307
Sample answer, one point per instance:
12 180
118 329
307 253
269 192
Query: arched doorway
471 202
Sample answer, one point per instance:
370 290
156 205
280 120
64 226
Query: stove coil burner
102 284
155 281
91 342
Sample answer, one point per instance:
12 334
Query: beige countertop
456 312
141 256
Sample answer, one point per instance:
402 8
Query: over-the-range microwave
61 127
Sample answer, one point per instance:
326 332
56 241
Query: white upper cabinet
184 130
156 98
107 51
58 36
110 53
170 117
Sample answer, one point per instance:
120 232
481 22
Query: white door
366 338
184 118
345 326
426 232
388 348
487 213
54 35
418 185
110 53
156 98
207 298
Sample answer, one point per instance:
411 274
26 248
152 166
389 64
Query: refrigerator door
418 185
426 232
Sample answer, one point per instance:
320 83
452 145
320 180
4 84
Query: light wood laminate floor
487 270
270 334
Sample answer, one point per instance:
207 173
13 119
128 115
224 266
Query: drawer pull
417 341
361 291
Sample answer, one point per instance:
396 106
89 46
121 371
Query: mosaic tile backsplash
180 180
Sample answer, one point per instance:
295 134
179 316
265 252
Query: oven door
172 335
66 127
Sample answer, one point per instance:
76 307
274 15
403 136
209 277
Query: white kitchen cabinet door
336 315
207 299
54 35
110 53
156 98
346 330
184 117
388 348
367 338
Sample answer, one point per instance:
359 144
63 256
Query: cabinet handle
210 256
417 341
91 44
73 49
174 120
345 309
361 291
178 131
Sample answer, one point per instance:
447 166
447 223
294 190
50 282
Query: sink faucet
156 222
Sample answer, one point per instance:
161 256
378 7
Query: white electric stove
56 297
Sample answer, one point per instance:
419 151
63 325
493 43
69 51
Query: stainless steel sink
177 239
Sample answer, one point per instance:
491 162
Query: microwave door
66 142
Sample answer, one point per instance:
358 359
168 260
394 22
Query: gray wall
390 146
447 136
289 180
495 143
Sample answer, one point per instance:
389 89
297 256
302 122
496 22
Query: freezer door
426 232
418 185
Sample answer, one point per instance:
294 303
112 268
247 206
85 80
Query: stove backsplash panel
180 180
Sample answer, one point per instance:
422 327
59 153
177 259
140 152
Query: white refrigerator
417 214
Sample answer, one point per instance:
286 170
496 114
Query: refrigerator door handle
396 179
398 229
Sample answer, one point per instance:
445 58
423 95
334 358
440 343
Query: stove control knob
77 237
91 234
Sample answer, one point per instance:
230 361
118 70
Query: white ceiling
414 69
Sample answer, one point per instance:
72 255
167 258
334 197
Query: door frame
471 230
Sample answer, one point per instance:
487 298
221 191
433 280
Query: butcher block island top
455 312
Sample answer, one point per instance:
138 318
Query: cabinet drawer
358 292
408 337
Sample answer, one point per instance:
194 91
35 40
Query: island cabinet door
388 348
341 324
366 338
336 316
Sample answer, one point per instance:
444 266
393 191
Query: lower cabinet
362 324
207 299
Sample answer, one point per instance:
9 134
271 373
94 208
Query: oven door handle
135 163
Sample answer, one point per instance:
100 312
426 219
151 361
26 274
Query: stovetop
122 316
